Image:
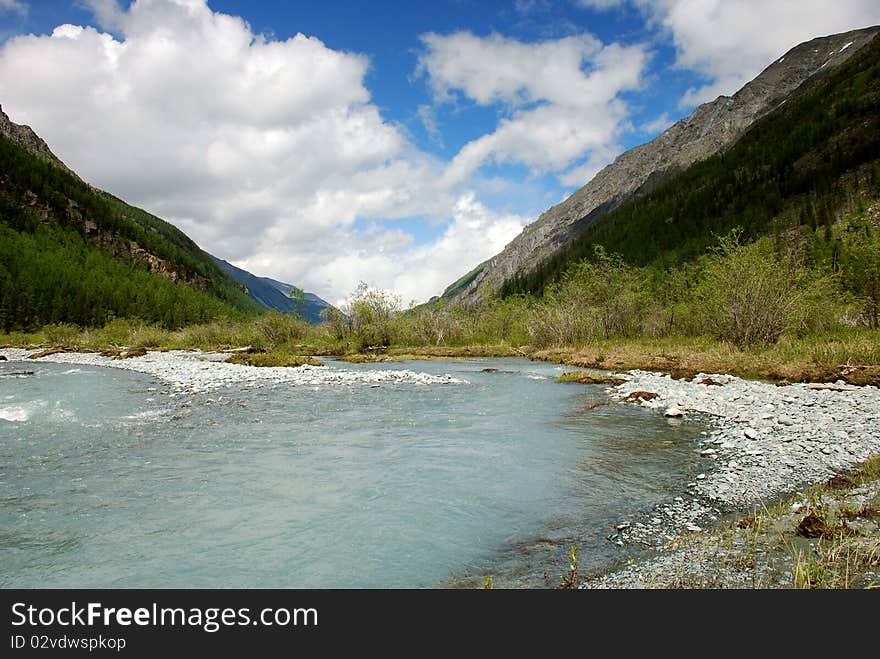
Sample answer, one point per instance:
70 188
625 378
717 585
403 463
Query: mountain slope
796 168
274 294
27 139
72 253
711 128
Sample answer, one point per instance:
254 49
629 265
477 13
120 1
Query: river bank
825 537
852 355
764 442
853 359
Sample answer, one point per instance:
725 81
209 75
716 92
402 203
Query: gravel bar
762 442
196 371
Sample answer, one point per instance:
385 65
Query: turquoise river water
108 481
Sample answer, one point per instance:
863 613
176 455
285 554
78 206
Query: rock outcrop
710 129
26 138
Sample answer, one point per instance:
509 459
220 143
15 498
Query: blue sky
398 143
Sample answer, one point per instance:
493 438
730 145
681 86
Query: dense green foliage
67 255
53 275
790 169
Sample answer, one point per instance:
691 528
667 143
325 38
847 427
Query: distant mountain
70 253
273 294
709 130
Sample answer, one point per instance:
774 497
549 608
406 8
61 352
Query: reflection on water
108 481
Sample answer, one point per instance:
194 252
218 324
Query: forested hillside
71 253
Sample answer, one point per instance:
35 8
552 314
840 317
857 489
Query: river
108 480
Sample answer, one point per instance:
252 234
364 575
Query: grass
853 356
430 353
589 377
272 358
849 354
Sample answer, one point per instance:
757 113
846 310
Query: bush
370 314
750 293
61 334
275 329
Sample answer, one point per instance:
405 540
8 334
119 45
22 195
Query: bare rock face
26 138
710 129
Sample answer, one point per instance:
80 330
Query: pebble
751 433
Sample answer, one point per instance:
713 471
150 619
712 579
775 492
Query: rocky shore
763 441
197 371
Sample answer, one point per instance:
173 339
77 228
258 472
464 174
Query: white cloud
107 12
601 5
656 126
429 121
730 42
529 6
13 7
598 159
265 152
562 95
388 257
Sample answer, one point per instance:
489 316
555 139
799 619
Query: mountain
709 130
28 140
274 294
794 174
72 253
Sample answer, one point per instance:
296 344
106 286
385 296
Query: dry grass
272 359
589 377
432 353
853 357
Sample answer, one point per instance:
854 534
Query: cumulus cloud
562 95
474 234
730 42
107 12
265 151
